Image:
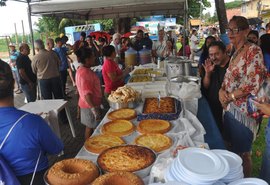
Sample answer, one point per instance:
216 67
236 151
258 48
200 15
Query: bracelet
233 97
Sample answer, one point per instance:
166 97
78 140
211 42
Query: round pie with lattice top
156 142
118 128
98 143
127 114
148 126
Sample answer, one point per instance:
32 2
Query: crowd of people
230 75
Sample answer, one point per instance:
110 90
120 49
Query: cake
118 128
157 142
166 105
118 178
72 171
98 143
127 114
153 126
129 158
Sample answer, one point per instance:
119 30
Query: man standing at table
46 66
214 70
27 77
31 138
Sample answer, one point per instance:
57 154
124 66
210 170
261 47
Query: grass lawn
258 149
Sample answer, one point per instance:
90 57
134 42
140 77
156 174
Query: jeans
17 78
30 93
49 87
63 75
265 169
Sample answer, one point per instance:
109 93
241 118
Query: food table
49 110
197 130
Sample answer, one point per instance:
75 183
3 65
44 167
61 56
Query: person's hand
208 66
264 107
97 113
127 70
224 97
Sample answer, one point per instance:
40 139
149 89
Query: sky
15 12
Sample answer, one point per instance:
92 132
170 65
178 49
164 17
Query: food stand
188 129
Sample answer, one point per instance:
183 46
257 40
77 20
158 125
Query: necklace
237 52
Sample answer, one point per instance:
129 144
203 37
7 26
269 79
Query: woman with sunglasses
244 76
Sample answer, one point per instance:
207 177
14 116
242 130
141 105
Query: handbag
7 176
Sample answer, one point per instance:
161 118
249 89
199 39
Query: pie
166 105
98 143
157 142
118 128
129 158
153 126
127 114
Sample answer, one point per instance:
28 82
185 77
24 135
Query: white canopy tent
102 9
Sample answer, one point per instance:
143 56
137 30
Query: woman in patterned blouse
243 77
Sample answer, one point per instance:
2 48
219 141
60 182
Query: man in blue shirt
62 54
29 138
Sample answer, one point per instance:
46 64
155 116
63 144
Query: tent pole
185 26
30 26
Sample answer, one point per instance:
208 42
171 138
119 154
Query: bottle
158 62
145 56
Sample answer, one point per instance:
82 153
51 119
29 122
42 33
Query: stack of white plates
249 181
197 166
235 165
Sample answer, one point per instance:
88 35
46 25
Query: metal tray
163 116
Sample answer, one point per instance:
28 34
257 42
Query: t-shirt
159 47
13 57
24 62
30 136
87 82
211 93
110 66
46 64
193 40
62 54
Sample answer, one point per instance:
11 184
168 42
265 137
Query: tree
48 26
233 4
222 15
194 7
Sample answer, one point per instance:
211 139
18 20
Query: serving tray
163 116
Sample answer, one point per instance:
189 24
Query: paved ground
72 145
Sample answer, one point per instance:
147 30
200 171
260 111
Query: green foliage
49 26
106 24
233 4
194 8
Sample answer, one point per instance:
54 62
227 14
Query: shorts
88 118
237 134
